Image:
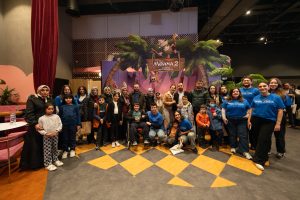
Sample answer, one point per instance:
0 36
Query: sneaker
269 153
58 163
97 148
117 143
232 150
247 155
65 155
51 167
113 144
72 154
195 150
280 155
259 166
133 144
146 142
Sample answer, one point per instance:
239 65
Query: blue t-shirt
267 107
236 108
249 93
185 125
155 120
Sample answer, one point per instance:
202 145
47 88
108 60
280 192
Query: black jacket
110 112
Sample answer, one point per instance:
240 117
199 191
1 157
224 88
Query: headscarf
39 90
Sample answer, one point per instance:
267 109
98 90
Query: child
187 109
173 133
114 119
203 123
99 122
50 126
215 128
137 119
70 117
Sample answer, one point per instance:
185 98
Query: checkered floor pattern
186 169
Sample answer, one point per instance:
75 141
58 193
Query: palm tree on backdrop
204 59
200 58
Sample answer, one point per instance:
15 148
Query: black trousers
101 135
114 128
262 132
280 136
289 112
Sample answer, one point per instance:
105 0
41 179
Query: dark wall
280 60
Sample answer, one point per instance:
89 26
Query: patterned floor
186 169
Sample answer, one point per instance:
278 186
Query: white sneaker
51 167
247 155
133 144
72 154
117 143
65 155
146 142
232 150
113 144
259 166
58 163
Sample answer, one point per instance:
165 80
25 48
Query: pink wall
16 78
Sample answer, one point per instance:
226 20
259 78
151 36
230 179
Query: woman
265 117
125 105
159 102
32 154
59 99
234 114
213 94
186 133
168 102
108 94
81 94
275 86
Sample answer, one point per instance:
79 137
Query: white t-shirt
116 109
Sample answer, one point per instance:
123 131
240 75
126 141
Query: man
149 98
289 103
248 92
137 97
179 94
136 119
155 122
198 96
169 105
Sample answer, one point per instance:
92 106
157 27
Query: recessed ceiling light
248 12
261 38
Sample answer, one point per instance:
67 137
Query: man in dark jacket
137 97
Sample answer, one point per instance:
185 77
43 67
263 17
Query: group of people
240 117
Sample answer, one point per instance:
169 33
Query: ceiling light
262 38
248 12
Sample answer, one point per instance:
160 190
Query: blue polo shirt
236 109
267 107
249 93
185 125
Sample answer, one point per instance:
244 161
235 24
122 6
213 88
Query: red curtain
44 41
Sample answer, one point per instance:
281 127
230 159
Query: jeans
69 137
159 132
262 132
201 135
190 137
238 129
216 137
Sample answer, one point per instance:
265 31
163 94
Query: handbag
86 128
294 107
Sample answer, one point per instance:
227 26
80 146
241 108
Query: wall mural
168 61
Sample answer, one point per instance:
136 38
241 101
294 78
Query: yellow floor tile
179 182
109 150
172 165
139 149
243 164
84 148
222 182
209 164
225 150
104 162
200 150
163 149
136 164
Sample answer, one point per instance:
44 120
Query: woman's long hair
240 97
279 90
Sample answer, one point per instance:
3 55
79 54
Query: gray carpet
79 180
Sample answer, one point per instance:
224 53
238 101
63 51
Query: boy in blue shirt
155 121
